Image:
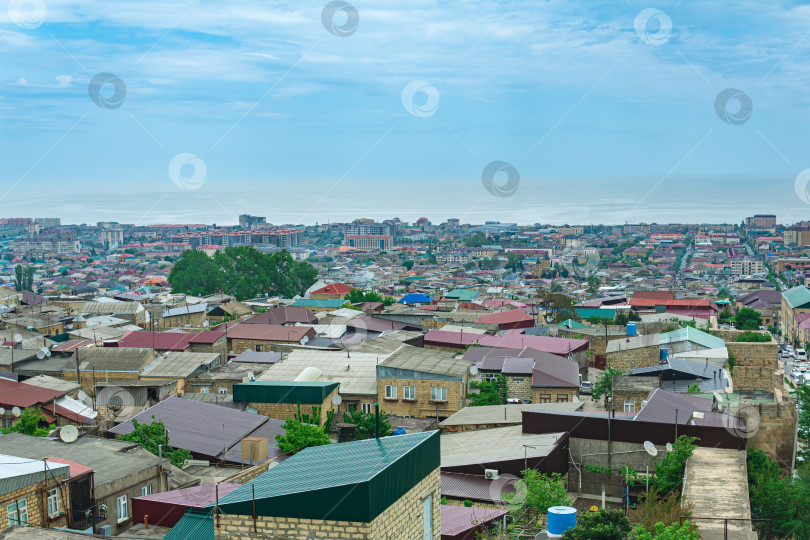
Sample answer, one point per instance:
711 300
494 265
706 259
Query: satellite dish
2 411
205 324
16 411
68 433
251 376
473 370
47 353
650 448
81 395
669 447
17 337
40 355
336 399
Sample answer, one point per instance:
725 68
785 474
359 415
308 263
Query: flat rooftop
496 444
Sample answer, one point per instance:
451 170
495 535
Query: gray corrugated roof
427 361
19 472
179 364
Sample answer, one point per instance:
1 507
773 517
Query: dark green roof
194 525
283 391
354 481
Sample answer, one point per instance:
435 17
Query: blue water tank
631 329
561 518
663 354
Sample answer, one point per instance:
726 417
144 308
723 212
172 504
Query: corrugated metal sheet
473 487
202 428
353 481
283 392
195 525
17 473
456 520
167 509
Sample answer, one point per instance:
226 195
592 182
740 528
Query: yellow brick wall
36 502
403 520
282 411
569 393
421 407
100 376
239 346
518 387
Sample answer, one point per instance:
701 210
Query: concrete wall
622 455
130 486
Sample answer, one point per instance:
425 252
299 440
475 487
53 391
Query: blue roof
586 313
415 298
309 302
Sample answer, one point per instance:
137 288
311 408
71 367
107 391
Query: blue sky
300 125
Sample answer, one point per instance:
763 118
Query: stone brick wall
634 358
35 500
434 324
179 321
754 354
756 378
402 520
518 387
777 424
87 381
282 411
220 347
239 346
422 406
619 397
554 394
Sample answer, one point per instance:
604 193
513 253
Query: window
544 398
629 406
438 393
408 392
428 519
121 505
490 377
6 422
146 490
390 392
223 390
366 407
258 348
203 390
17 513
518 381
562 398
53 502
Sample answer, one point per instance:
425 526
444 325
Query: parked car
586 387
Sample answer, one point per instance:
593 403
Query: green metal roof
694 335
571 323
797 296
283 391
194 525
595 312
462 295
354 481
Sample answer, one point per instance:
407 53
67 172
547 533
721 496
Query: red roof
76 469
459 519
334 288
657 295
207 336
502 317
17 394
681 303
164 341
512 340
270 332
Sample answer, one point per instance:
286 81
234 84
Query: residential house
333 291
286 399
30 493
192 316
262 337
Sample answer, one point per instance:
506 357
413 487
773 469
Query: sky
304 112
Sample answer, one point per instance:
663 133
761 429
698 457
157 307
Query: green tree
29 423
693 388
593 284
775 498
475 240
724 292
555 287
620 318
365 423
803 400
541 492
151 437
491 392
195 274
407 264
601 525
748 319
513 262
753 337
633 316
358 296
604 384
669 470
559 306
23 278
298 436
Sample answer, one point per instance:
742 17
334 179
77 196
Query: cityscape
485 270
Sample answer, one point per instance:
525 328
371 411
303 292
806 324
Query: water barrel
631 329
561 518
663 354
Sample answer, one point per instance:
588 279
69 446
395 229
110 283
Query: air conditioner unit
105 530
491 474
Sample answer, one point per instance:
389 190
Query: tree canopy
243 272
365 423
748 319
151 437
23 278
492 392
29 423
298 436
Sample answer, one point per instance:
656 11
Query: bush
753 337
670 469
653 510
674 531
601 525
298 436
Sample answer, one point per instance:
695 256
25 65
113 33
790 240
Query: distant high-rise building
765 221
112 238
369 242
247 221
48 222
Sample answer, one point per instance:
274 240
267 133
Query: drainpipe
376 420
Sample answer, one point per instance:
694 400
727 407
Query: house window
53 502
438 393
146 490
629 406
366 407
428 518
6 422
562 398
258 348
544 398
223 390
203 390
390 391
518 381
489 377
17 513
408 392
121 505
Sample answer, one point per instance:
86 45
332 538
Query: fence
712 528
